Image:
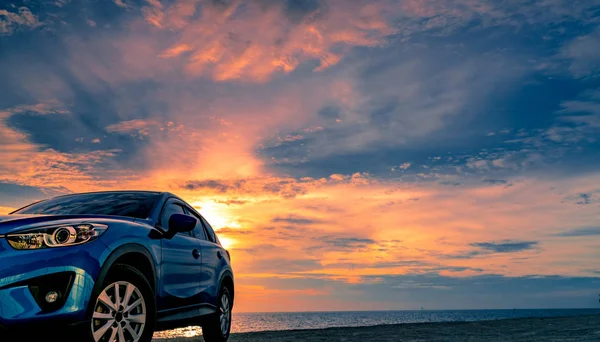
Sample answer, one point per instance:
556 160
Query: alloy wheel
225 317
119 314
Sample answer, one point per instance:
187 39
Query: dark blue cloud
496 181
297 220
351 243
585 198
209 184
505 246
232 202
483 249
65 132
587 231
79 132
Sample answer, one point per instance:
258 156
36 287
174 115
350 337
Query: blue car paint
211 264
180 273
179 285
17 304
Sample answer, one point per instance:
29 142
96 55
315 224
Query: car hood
12 223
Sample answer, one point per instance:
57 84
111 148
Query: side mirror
180 223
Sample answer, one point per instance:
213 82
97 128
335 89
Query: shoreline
531 329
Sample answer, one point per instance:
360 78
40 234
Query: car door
180 280
211 264
212 254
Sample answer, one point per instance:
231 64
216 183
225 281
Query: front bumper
27 276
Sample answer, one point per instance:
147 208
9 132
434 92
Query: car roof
111 191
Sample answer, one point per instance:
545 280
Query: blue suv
112 266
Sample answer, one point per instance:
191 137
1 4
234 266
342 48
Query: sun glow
226 241
217 214
5 210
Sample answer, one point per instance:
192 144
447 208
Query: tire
134 322
212 330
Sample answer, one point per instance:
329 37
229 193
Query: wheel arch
227 280
132 254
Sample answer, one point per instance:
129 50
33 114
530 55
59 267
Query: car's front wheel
125 309
218 326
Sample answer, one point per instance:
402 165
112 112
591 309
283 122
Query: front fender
117 253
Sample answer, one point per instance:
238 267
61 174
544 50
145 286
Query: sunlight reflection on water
182 332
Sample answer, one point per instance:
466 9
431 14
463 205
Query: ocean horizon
277 321
409 310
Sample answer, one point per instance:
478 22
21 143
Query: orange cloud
256 42
120 3
138 127
176 50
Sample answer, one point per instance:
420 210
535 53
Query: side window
170 209
210 231
199 232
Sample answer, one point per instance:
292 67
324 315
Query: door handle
196 253
219 255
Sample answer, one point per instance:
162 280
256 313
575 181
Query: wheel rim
119 314
225 317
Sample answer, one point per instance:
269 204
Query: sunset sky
352 155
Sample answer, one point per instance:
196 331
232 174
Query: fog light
51 296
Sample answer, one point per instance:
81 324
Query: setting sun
218 214
227 242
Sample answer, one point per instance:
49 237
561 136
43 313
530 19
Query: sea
247 322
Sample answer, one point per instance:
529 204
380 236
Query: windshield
130 204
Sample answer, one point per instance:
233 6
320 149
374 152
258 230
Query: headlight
56 236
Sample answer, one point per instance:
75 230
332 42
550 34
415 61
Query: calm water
244 322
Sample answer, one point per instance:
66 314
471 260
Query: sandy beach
583 328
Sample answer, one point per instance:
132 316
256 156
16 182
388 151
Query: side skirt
183 317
